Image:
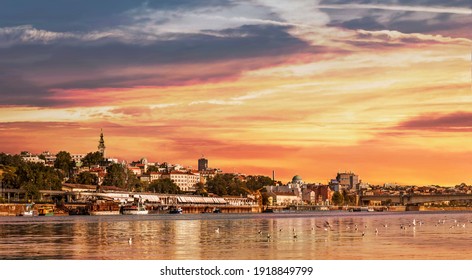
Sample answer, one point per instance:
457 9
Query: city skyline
380 88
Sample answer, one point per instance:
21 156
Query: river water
293 236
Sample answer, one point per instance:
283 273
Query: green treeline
30 177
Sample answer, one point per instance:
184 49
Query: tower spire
101 144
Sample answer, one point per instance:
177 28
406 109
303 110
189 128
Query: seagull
414 222
268 236
217 230
385 226
130 241
260 232
326 224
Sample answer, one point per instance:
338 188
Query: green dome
297 178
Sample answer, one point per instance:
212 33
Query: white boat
137 208
29 212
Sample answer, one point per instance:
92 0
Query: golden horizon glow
391 106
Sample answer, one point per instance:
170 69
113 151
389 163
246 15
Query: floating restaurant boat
102 207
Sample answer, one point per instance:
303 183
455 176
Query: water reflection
241 236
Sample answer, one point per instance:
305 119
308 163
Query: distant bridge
410 199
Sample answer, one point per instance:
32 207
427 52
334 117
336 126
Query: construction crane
256 193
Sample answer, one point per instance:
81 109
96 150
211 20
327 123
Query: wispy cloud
237 100
400 37
426 9
452 122
27 34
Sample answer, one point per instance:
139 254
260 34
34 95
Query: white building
136 170
185 180
154 176
77 157
34 159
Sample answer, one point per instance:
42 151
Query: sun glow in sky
380 88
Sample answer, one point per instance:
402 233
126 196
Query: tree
200 189
218 184
133 183
8 177
64 162
230 184
87 178
337 198
348 198
116 176
30 177
257 182
10 160
164 185
92 158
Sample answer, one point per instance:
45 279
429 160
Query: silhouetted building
101 144
202 164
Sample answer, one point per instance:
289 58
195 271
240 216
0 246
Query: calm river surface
302 236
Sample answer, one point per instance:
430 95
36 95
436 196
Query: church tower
101 144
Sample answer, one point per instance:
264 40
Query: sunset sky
380 88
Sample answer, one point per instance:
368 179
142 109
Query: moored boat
46 211
29 212
175 210
134 209
102 207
